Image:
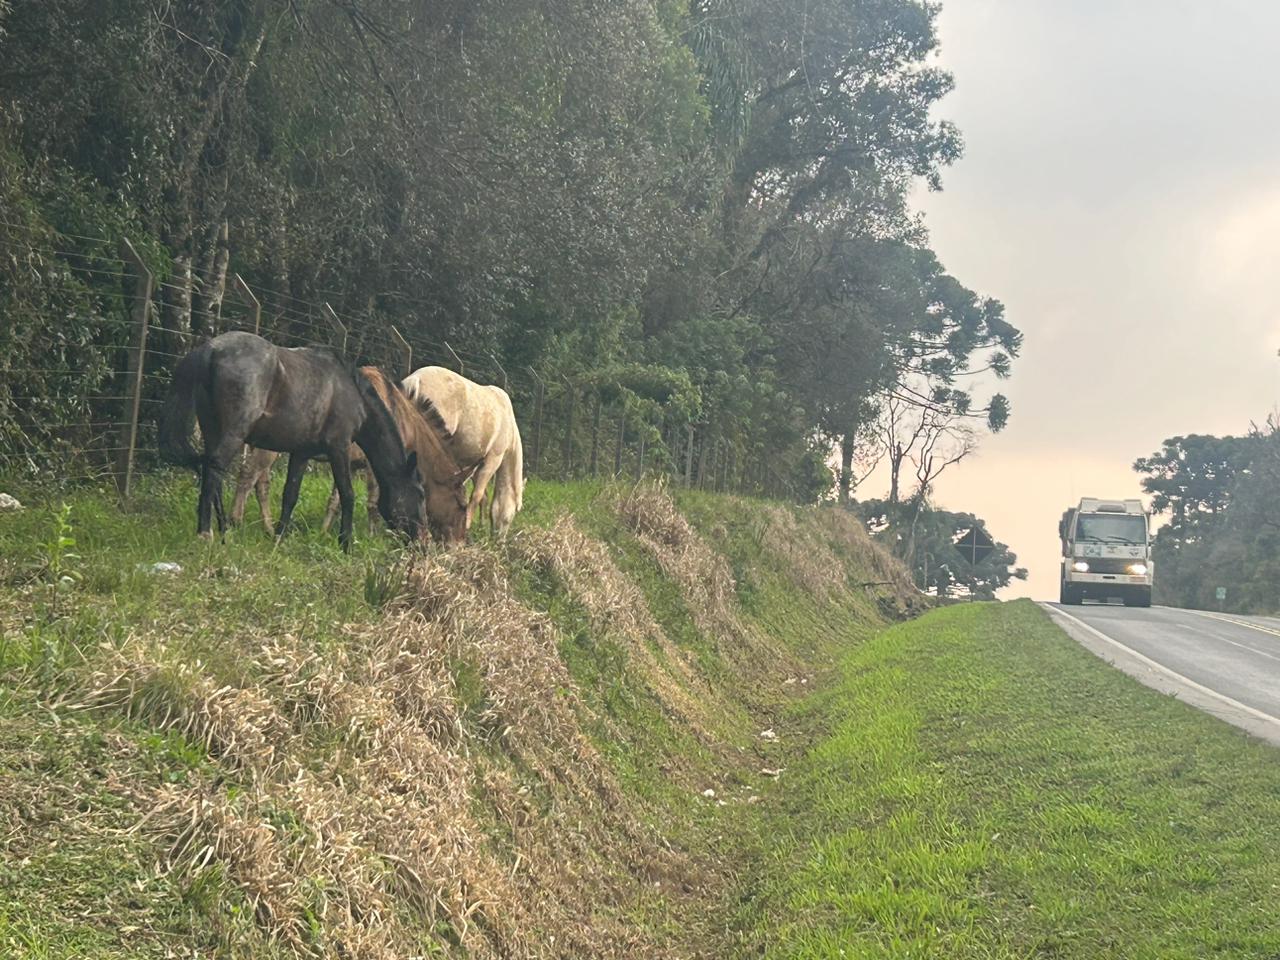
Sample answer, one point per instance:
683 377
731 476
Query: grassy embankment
498 751
503 751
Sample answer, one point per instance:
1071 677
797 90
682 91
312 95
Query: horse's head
403 502
447 514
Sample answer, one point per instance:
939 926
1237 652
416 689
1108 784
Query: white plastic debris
164 566
709 793
9 503
769 735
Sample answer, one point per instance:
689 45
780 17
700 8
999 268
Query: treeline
702 205
1222 499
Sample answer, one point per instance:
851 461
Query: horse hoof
206 535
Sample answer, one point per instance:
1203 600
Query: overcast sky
1120 192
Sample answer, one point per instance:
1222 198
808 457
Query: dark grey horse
302 401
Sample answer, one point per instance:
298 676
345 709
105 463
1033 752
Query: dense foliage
710 196
1222 497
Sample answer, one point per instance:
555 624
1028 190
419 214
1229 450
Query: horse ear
413 461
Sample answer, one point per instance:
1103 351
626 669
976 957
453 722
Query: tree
1191 478
929 549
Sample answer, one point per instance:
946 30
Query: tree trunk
211 283
846 466
177 303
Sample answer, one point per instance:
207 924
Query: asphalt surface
1226 664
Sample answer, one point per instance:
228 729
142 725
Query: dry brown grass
707 586
430 781
617 608
893 588
800 551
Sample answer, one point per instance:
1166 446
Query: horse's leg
292 487
371 499
204 506
340 460
262 490
247 479
218 461
331 510
483 475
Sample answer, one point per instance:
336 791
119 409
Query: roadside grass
990 790
134 698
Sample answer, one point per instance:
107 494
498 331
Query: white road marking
1241 623
1168 673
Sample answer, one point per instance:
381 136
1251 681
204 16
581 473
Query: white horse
484 433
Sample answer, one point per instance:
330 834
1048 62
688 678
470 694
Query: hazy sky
1120 192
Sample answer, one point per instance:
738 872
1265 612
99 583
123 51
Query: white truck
1106 552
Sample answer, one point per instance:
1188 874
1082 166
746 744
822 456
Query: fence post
538 395
250 301
622 437
142 288
501 369
339 327
405 347
566 448
595 437
462 370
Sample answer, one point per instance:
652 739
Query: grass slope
987 789
500 751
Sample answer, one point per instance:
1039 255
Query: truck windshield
1111 528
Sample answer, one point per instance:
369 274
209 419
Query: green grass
968 786
990 790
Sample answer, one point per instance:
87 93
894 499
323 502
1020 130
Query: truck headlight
1080 566
1138 569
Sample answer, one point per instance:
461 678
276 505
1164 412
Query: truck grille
1111 564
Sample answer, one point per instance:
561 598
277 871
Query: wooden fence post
462 369
501 370
539 393
141 311
339 327
250 301
595 437
566 447
617 449
406 348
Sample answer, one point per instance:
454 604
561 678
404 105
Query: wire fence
93 420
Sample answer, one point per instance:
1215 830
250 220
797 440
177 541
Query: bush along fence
86 367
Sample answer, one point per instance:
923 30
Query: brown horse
255 475
420 429
306 402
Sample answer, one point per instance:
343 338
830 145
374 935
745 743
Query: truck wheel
1142 599
1071 597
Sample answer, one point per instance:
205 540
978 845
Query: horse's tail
178 419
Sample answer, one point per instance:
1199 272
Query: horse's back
480 417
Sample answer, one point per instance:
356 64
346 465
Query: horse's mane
430 416
372 397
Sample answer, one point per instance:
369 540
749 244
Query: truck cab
1106 552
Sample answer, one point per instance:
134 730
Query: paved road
1227 664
